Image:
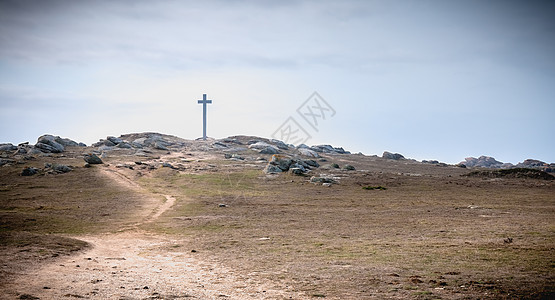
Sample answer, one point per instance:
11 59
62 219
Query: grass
343 234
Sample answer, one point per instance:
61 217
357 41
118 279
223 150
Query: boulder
264 148
329 149
281 145
394 156
272 169
61 168
124 145
29 171
92 159
308 152
7 147
48 143
296 171
281 162
114 140
349 168
4 161
160 145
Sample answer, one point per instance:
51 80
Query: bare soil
220 228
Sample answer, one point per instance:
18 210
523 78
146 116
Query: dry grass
431 234
425 236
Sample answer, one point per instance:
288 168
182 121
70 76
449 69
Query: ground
217 228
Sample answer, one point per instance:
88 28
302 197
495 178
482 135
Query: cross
204 102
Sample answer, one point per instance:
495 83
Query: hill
154 216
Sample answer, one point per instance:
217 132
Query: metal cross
204 102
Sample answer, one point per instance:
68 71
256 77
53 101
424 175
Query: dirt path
133 264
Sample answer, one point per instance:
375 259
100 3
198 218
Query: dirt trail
133 264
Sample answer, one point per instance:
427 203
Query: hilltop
154 216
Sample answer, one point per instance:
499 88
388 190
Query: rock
21 150
48 143
4 161
311 163
482 161
299 167
264 148
124 145
326 184
308 152
219 145
92 159
394 156
109 143
430 162
233 156
114 140
8 147
167 165
532 163
461 165
61 168
329 149
160 145
281 145
272 169
281 162
335 166
29 171
269 150
296 171
303 146
139 143
82 144
349 168
322 179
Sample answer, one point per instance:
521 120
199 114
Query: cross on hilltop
204 102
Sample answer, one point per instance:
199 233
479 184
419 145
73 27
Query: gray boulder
48 143
308 152
272 169
61 168
394 156
269 150
7 147
281 145
92 159
160 145
114 140
124 145
29 171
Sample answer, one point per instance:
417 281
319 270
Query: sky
438 79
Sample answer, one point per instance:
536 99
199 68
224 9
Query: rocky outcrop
282 163
481 162
54 144
393 156
329 149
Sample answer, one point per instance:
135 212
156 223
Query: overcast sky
429 79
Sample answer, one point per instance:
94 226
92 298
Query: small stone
29 171
326 184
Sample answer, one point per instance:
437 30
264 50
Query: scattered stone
4 161
92 159
124 145
168 165
326 184
222 205
322 179
394 156
114 140
349 168
61 168
513 173
264 148
29 171
335 166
